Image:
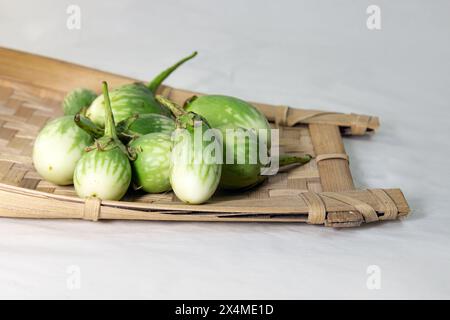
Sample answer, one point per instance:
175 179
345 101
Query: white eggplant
194 173
104 171
57 149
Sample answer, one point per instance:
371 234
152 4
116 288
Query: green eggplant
151 168
104 171
134 98
239 169
242 168
58 148
246 133
194 173
229 113
77 100
142 124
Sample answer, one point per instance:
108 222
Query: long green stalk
156 82
110 126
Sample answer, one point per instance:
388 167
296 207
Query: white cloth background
313 54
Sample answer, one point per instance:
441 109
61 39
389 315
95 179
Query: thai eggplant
229 112
151 168
104 170
251 135
77 100
143 124
195 163
134 98
241 168
57 149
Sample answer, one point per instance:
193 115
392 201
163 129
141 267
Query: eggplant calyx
176 110
184 119
124 125
123 129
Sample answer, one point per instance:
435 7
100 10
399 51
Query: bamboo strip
15 203
352 123
334 173
52 73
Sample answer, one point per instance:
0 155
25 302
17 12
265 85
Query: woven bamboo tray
321 192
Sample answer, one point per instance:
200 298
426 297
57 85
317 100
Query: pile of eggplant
130 136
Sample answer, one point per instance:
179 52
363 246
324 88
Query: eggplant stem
124 125
286 160
88 126
131 120
172 106
110 126
123 128
156 82
189 101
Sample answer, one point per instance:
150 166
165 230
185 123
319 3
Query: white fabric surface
313 54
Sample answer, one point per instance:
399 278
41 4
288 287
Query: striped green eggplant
240 170
134 98
194 172
246 134
142 124
77 100
229 113
104 171
58 148
151 168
